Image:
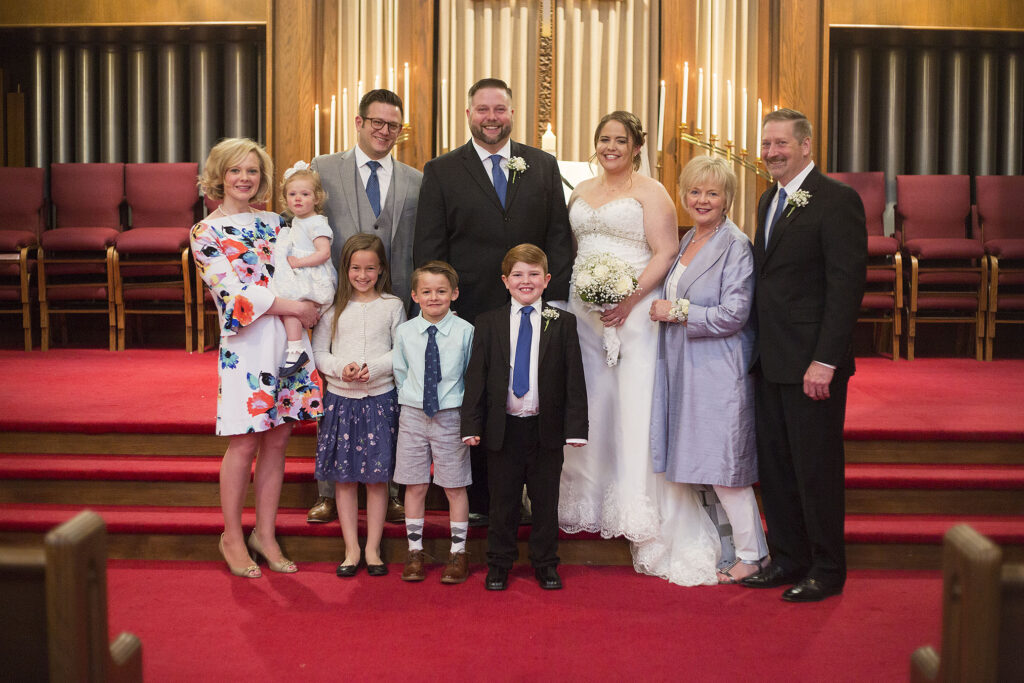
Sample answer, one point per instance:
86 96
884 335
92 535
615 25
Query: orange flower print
260 402
243 310
232 249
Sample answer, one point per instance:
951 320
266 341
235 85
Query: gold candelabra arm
696 139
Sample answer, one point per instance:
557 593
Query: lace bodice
616 227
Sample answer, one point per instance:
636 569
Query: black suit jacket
810 281
460 220
563 389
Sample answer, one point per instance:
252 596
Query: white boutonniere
800 199
549 314
517 165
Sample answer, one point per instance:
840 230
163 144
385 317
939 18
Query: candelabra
404 134
711 145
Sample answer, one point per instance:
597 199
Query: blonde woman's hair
227 153
714 170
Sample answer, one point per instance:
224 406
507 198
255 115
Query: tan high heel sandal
283 566
251 571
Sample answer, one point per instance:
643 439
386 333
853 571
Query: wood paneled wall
130 12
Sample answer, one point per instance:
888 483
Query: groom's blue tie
498 176
776 216
521 371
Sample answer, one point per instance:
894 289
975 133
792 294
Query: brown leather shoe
396 512
413 570
323 511
457 569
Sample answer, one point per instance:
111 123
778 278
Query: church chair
882 304
982 614
947 280
153 275
1000 204
76 256
23 198
53 603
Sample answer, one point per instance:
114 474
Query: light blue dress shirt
454 342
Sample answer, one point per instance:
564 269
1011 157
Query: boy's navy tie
521 371
432 373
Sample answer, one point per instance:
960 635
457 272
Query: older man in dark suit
810 255
476 203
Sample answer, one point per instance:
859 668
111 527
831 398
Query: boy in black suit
525 399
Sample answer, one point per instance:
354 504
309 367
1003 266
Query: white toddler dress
313 283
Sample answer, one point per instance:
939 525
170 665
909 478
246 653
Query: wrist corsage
549 314
680 310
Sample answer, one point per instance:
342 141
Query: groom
474 207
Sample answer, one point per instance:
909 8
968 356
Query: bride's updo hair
633 127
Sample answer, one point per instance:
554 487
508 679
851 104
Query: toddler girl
303 268
352 349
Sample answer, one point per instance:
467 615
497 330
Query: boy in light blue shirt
430 356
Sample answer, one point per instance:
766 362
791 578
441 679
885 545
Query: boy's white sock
459 532
414 533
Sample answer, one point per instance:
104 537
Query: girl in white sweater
352 349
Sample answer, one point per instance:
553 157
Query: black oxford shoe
810 590
548 578
497 579
769 577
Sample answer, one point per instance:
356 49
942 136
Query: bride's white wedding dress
608 486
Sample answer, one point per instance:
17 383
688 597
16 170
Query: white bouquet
600 282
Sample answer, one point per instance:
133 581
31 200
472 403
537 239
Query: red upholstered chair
882 304
152 257
23 202
948 276
76 257
1000 203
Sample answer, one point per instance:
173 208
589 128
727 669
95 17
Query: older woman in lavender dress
703 418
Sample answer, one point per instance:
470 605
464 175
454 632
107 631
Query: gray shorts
422 440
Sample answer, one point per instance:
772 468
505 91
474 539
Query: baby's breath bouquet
601 281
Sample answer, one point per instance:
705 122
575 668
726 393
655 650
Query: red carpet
167 391
608 624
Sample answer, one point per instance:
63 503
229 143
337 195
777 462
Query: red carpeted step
130 467
151 519
934 477
929 529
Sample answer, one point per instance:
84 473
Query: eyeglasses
380 123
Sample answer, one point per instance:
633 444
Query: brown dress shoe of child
413 570
457 569
323 511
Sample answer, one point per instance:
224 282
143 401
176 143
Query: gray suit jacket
340 179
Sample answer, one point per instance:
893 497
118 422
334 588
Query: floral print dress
235 257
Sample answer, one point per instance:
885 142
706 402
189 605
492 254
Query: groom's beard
480 134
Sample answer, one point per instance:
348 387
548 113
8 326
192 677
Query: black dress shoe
377 569
497 579
477 520
548 578
346 571
770 577
293 368
810 590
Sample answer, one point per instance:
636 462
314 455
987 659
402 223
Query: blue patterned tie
498 176
373 187
521 371
432 373
778 214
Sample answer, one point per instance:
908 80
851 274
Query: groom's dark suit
461 221
810 279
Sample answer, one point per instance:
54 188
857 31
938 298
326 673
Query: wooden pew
982 615
53 604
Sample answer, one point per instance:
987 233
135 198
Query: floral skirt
357 438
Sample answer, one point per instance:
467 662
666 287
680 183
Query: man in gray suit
369 191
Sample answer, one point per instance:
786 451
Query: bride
608 486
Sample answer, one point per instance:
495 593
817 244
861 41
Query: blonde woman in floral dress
234 251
